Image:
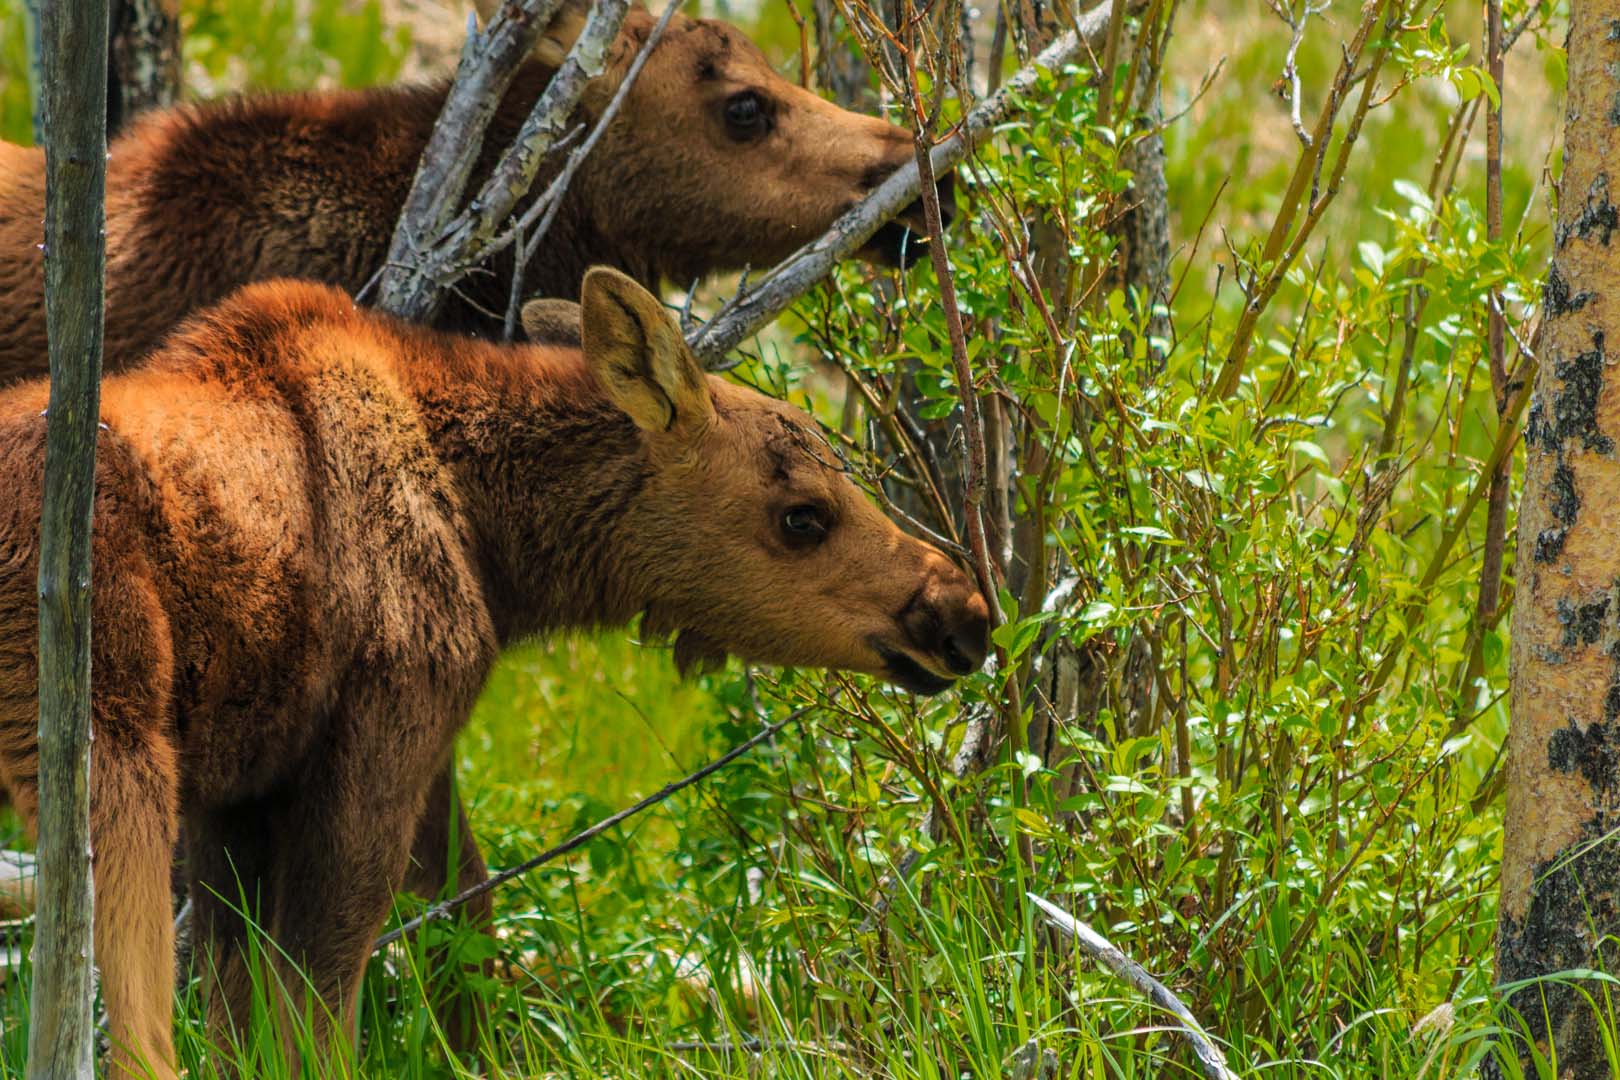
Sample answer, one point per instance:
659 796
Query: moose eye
803 526
745 115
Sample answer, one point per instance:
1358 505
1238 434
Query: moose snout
951 625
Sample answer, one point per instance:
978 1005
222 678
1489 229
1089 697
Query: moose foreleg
444 839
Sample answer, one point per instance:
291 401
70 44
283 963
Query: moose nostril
874 176
960 656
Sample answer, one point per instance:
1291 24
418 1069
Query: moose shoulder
714 162
314 529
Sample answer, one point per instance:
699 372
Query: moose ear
559 35
638 353
551 322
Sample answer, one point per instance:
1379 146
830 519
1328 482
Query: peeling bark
1560 876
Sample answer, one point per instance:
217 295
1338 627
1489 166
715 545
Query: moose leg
444 827
339 853
227 850
133 823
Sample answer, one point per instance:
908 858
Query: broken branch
1211 1062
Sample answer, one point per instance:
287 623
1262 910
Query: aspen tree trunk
143 61
72 114
1560 867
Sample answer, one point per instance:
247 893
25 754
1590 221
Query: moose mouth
904 240
897 244
907 674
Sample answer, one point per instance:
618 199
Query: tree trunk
72 109
143 60
1560 875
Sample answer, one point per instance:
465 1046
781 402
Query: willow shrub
1287 805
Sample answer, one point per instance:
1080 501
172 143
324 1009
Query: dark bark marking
1583 624
1597 216
1572 889
1565 505
1556 297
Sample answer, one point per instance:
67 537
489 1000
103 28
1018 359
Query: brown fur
202 200
314 529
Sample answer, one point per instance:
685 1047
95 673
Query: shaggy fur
202 200
315 527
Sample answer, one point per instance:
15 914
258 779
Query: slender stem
73 111
1490 571
444 908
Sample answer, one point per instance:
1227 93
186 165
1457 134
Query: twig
753 1044
746 312
443 908
1211 1062
1490 571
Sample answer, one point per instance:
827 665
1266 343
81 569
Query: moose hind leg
133 823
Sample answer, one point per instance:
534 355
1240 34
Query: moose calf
315 527
713 162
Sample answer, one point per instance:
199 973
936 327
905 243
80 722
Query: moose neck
549 473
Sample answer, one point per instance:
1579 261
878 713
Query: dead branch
467 240
409 286
444 908
1211 1062
766 298
547 204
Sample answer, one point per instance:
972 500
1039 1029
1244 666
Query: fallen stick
445 907
759 302
1211 1062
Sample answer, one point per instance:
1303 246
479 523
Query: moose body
714 162
314 529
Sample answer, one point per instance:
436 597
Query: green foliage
294 44
231 46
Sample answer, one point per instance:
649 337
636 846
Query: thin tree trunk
72 51
1560 904
143 60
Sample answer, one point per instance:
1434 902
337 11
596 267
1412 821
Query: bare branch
1211 1062
752 308
466 241
489 60
549 203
